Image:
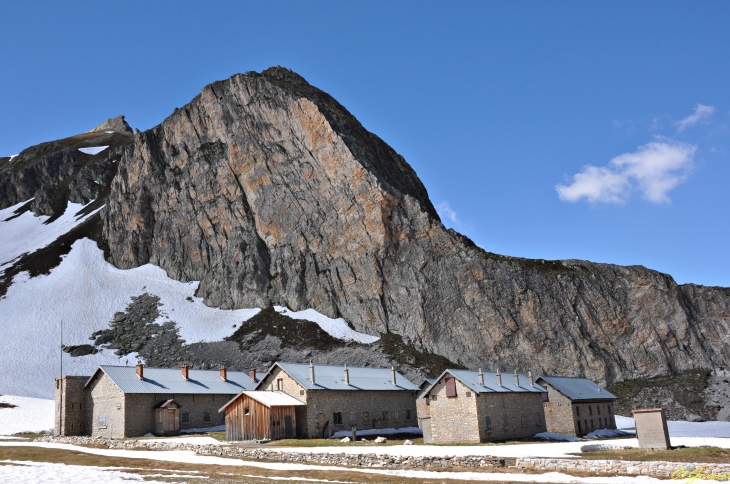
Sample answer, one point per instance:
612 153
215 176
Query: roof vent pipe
347 376
499 378
481 377
311 372
529 375
392 375
140 370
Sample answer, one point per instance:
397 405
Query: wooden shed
261 415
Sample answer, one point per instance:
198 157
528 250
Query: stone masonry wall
104 408
453 419
593 416
563 414
512 415
559 413
69 392
141 415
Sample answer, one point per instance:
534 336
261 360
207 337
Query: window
577 411
320 419
185 417
545 397
337 418
408 414
598 409
58 384
280 384
206 416
451 387
600 421
246 412
353 417
468 394
609 409
592 426
590 410
396 416
301 392
488 422
365 416
523 420
385 415
428 400
102 421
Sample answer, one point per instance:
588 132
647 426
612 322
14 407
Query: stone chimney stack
529 375
392 375
252 374
224 373
499 378
140 370
517 378
311 373
185 371
347 376
481 377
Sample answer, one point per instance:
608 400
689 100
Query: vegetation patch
432 364
210 151
710 455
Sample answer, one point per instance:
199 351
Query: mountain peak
113 124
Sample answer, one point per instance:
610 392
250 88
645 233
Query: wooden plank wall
261 423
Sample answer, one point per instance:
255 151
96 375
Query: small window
609 409
280 384
206 416
451 387
353 417
468 394
185 417
337 418
545 397
365 416
590 410
408 415
488 422
385 415
577 411
246 412
598 409
396 417
102 421
428 400
58 384
592 426
301 392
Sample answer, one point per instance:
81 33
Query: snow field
335 327
93 150
681 428
28 415
46 472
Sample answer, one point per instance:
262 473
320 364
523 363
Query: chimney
224 373
311 372
529 375
347 376
481 377
392 375
499 378
185 371
517 378
140 370
252 374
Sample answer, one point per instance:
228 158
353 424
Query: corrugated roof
577 388
470 378
273 399
329 377
170 380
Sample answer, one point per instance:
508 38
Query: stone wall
69 393
593 415
559 412
453 419
512 415
676 470
104 408
563 414
141 416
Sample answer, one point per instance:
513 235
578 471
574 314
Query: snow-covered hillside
84 292
26 415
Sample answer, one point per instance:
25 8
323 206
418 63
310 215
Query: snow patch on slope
335 327
28 415
93 150
27 233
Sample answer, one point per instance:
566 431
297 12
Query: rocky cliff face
270 192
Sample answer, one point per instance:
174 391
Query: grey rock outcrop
267 190
113 124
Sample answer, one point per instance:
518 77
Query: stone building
471 406
576 406
340 397
421 400
128 401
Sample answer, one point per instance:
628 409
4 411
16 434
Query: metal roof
577 388
329 377
273 399
170 380
470 378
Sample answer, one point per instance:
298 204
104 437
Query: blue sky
555 130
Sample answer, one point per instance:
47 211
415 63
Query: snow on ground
681 428
190 440
624 422
93 149
28 233
608 433
217 428
28 415
335 327
46 472
554 437
191 458
378 432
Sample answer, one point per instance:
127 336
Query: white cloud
654 170
444 210
701 112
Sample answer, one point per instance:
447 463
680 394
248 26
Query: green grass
29 435
709 455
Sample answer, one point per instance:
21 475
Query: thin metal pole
60 385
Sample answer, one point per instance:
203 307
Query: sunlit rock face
268 191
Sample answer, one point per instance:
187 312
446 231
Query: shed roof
267 398
170 380
328 377
577 388
470 378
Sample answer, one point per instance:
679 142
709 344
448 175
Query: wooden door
288 430
170 420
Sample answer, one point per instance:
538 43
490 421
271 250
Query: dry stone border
379 459
621 467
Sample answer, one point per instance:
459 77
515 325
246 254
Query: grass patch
29 435
709 455
405 354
